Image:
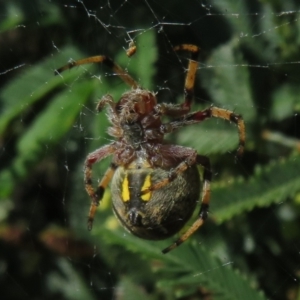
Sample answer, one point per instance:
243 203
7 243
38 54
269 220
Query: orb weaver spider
155 186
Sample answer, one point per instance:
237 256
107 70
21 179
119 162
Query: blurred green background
249 63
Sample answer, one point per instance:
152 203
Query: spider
155 186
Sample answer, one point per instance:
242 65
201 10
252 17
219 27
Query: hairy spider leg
201 115
190 75
203 213
187 161
106 100
106 61
97 195
177 110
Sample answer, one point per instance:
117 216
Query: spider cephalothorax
155 186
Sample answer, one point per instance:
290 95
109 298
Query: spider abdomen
157 214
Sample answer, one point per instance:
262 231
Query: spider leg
190 75
96 195
169 109
181 109
106 100
199 116
171 176
187 157
203 213
106 61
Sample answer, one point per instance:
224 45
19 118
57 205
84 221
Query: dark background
249 63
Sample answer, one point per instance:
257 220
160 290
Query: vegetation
249 247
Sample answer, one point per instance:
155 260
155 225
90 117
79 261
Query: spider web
249 63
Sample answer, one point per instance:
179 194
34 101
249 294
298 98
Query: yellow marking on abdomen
125 190
146 185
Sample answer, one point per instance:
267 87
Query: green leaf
33 85
270 184
248 28
204 270
226 78
130 290
13 17
187 266
285 102
67 281
238 15
45 132
52 124
212 137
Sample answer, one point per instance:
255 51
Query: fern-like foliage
249 246
187 268
275 183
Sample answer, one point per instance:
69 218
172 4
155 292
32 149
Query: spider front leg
176 110
97 195
190 75
106 61
201 115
